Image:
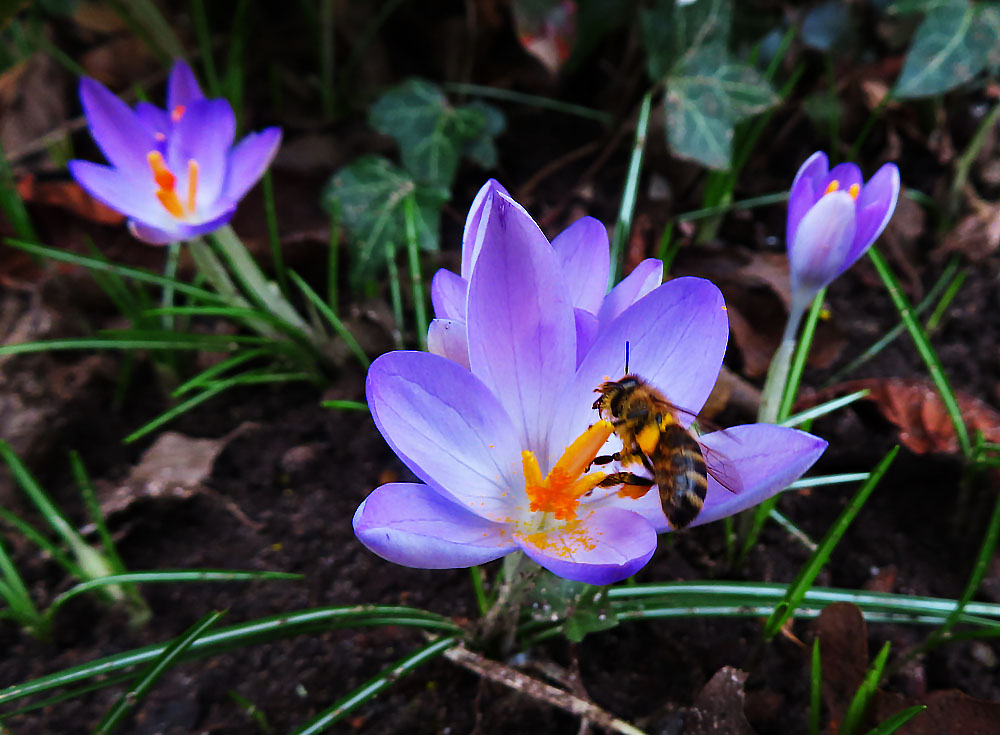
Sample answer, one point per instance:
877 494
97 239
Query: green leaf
432 134
892 724
708 94
953 44
371 192
582 608
671 32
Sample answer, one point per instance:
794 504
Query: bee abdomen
681 476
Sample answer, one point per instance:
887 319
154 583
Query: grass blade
164 576
327 312
859 705
899 719
373 687
807 575
824 408
416 282
261 630
624 224
103 265
148 679
923 345
345 405
815 689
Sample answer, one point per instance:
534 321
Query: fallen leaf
67 195
976 236
843 648
175 466
915 407
949 712
718 708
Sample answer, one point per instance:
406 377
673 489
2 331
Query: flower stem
252 278
781 363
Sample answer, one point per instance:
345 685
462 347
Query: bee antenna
626 357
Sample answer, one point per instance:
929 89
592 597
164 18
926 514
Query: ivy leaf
671 32
708 94
370 193
583 608
955 42
431 133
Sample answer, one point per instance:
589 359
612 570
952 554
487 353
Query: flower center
559 492
166 184
834 185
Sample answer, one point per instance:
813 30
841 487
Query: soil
283 489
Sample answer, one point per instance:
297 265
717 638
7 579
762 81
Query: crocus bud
833 218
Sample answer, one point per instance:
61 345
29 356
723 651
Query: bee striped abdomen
680 474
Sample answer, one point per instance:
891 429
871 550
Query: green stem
781 364
416 282
252 278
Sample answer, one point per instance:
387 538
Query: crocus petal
152 235
818 253
845 174
448 338
609 544
875 205
249 160
644 278
522 334
204 134
471 237
585 256
415 526
157 120
182 86
766 458
586 332
677 338
449 430
115 189
805 191
448 295
120 135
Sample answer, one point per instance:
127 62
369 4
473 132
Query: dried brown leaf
916 409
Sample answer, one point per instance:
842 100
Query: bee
652 436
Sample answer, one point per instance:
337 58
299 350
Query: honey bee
651 434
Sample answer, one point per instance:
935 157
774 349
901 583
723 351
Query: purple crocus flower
584 258
174 173
503 448
833 218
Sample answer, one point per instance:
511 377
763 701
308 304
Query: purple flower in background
503 448
174 173
833 218
584 259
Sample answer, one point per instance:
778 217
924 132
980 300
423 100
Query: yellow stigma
854 190
831 187
560 491
166 184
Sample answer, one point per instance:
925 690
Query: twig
502 674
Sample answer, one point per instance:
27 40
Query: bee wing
721 468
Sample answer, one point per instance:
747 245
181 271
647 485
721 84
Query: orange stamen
171 202
831 187
177 113
560 491
192 184
161 174
854 190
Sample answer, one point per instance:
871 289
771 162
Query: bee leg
633 486
607 458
